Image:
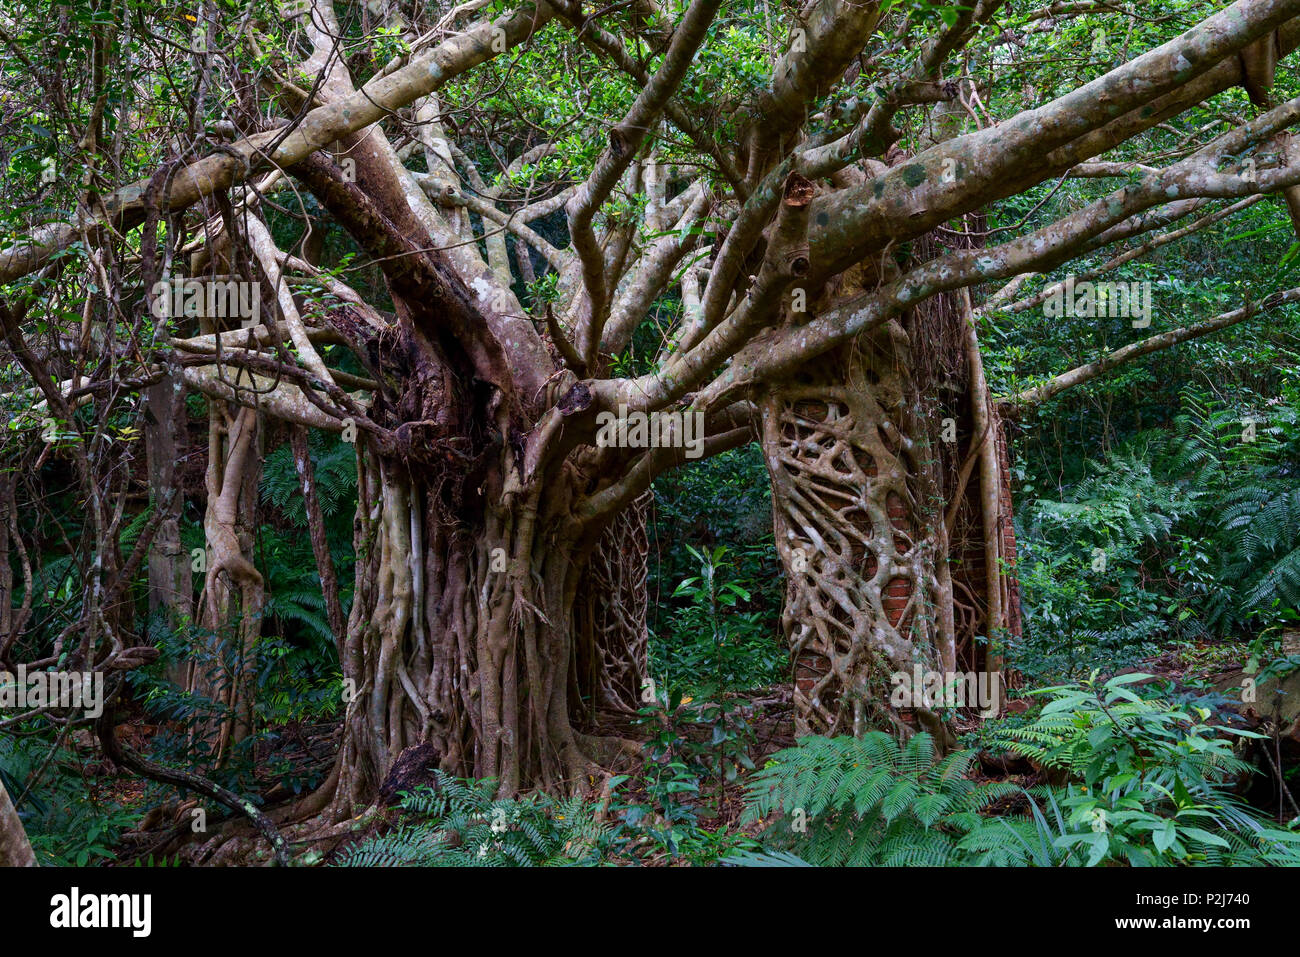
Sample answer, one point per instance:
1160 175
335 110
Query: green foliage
1148 785
69 822
867 801
295 605
1174 514
1144 826
1156 778
334 464
293 682
294 602
1109 731
719 629
689 745
1082 568
715 644
297 674
461 823
672 779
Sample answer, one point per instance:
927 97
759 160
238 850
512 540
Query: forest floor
297 754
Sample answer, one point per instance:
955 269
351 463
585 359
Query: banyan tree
478 233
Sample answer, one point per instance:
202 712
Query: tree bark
847 455
986 425
462 636
233 595
329 583
611 615
15 849
170 584
894 557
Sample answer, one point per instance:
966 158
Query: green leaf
1165 835
1205 837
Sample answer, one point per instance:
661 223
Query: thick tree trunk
462 637
892 512
462 630
855 519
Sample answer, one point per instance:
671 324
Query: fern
1154 794
335 470
1095 732
868 801
461 823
